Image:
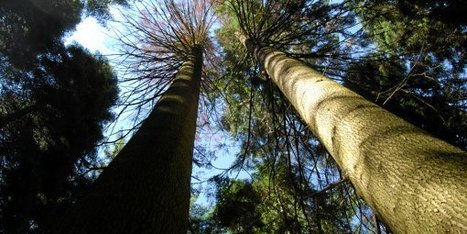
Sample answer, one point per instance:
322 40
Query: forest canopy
297 95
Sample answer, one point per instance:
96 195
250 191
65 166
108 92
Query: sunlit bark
146 188
416 183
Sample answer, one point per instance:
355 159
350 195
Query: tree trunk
146 188
416 183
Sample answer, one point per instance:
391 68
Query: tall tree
146 188
260 118
54 102
417 62
391 163
59 134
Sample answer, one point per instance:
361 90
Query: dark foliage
54 101
68 102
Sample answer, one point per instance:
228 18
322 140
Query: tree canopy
54 102
407 57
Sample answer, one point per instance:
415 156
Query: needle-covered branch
146 187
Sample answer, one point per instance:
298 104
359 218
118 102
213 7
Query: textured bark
146 188
416 183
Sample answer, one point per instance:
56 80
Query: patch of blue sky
102 40
99 39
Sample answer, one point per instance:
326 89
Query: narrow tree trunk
416 183
146 188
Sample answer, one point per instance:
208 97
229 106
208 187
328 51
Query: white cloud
91 35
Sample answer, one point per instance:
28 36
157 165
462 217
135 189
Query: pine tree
411 179
146 188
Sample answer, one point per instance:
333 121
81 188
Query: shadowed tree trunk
146 188
416 183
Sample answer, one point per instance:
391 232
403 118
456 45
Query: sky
92 36
98 39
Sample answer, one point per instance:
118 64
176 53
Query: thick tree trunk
416 183
146 188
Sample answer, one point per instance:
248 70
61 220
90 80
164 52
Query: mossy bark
146 188
416 183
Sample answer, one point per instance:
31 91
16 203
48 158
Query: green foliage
289 166
270 203
400 62
201 220
71 95
417 69
100 8
54 102
398 30
29 27
237 207
421 95
449 12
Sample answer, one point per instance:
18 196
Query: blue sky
99 39
92 36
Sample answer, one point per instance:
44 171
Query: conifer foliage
342 116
